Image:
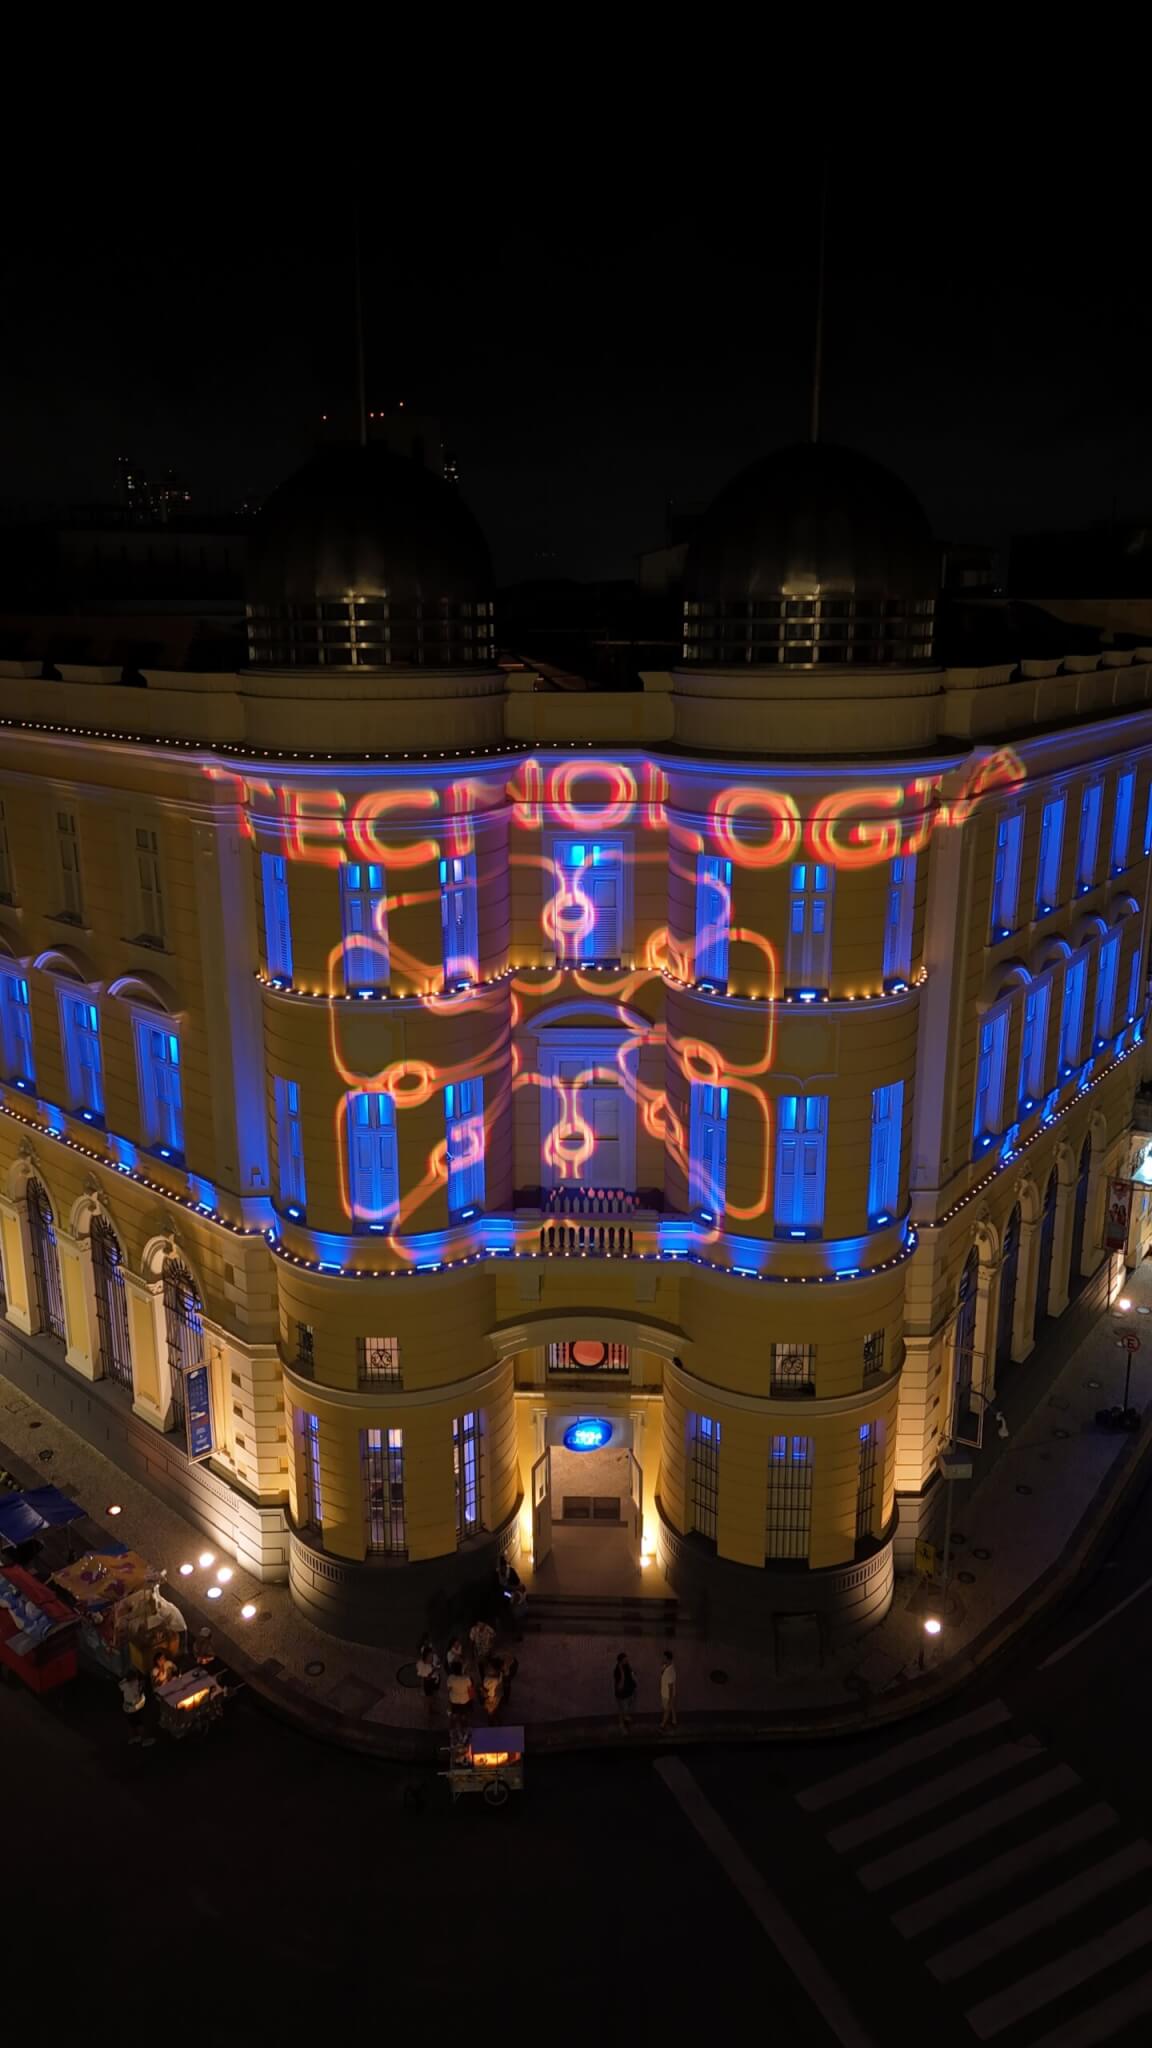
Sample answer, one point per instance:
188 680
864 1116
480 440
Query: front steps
606 1614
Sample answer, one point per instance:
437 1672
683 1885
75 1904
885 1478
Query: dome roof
364 558
813 554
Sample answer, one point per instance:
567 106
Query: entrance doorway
587 1508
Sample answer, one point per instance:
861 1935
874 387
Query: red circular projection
589 1355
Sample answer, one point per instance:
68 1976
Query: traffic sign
1126 1343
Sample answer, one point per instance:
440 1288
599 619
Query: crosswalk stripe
882 1819
1104 2021
914 1751
989 1877
993 1813
1075 1966
1010 1928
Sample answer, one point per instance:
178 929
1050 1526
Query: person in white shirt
668 1691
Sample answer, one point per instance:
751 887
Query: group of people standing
472 1673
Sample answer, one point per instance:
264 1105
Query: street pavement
977 1873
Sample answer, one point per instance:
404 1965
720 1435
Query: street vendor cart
38 1632
109 1594
487 1761
189 1704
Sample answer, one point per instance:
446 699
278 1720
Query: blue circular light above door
590 1433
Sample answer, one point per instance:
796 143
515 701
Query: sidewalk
1022 1529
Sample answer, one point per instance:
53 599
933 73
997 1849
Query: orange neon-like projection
407 826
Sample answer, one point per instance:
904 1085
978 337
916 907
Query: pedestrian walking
428 1672
492 1688
481 1635
668 1691
461 1694
624 1688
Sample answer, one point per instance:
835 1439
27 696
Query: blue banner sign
198 1410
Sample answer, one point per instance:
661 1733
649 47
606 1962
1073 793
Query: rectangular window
1148 824
80 1021
7 886
364 919
161 1105
373 1167
19 1065
466 1442
801 1158
991 1050
704 1476
277 917
458 915
1034 1043
1122 819
787 1529
290 1147
1135 1000
874 1352
379 1359
1088 844
149 886
68 857
1072 1014
382 1455
587 909
713 918
589 1356
793 1369
464 1119
868 1473
1051 855
898 918
1006 874
809 958
708 1149
1107 970
305 1345
884 1160
311 1493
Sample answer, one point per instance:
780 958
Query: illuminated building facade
422 1088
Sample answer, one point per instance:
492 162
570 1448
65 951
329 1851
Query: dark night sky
596 348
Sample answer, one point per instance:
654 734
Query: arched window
183 1322
965 1346
1009 1273
45 1262
111 1303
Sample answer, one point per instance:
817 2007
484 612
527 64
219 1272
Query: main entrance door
542 1509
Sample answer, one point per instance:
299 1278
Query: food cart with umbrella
486 1761
190 1703
106 1592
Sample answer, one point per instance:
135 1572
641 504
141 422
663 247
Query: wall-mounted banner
198 1411
1116 1213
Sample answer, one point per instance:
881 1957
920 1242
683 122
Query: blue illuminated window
19 1064
713 918
1108 968
589 905
898 918
1006 873
704 1476
290 1145
884 1161
1051 855
466 1473
464 1117
809 962
1134 1001
1072 1013
458 917
1088 845
362 900
277 917
373 1166
1122 819
161 1106
991 1051
312 1494
1148 824
1034 1041
801 1164
708 1149
80 1026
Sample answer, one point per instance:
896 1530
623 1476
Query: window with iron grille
793 1368
467 1439
45 1262
382 1459
6 884
379 1358
589 1355
866 1481
874 1351
704 1475
311 1491
305 1344
184 1329
111 1303
789 1520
